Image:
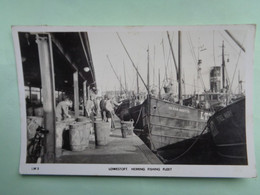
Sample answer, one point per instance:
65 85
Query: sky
205 44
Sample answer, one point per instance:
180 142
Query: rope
138 116
236 67
169 161
192 50
233 157
227 41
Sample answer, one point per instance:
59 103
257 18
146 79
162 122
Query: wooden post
76 93
58 95
88 93
40 95
84 96
30 93
48 94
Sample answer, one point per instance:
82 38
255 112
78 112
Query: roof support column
84 96
76 93
48 94
88 92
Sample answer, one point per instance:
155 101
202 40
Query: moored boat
227 127
165 123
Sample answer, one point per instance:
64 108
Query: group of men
93 107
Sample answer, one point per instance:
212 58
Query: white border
229 171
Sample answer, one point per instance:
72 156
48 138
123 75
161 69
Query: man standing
90 107
62 109
102 105
110 112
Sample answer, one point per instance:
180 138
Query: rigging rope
195 61
236 65
227 41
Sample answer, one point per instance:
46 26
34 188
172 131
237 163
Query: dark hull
227 127
164 123
122 110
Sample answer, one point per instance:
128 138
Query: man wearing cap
62 109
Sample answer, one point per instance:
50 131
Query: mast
240 89
148 97
180 66
165 71
153 75
175 64
223 66
194 86
148 73
153 65
137 81
159 84
125 77
120 88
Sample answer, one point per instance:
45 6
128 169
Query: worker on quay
62 109
102 106
110 104
90 108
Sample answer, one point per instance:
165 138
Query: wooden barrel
127 128
60 127
38 111
79 135
96 118
102 131
82 119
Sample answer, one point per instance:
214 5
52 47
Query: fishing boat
227 128
162 122
227 125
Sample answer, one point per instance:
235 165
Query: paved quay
130 150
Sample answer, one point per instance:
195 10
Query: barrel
102 131
79 135
83 119
60 127
127 128
96 118
38 111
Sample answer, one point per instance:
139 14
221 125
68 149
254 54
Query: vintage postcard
157 101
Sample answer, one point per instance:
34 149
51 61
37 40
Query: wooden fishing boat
164 123
161 123
227 127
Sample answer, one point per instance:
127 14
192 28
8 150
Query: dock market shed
56 64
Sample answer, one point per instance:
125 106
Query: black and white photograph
163 101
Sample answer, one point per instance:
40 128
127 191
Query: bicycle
35 149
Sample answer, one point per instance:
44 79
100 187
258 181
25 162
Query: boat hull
227 127
165 123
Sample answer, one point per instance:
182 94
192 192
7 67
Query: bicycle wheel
39 160
33 152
